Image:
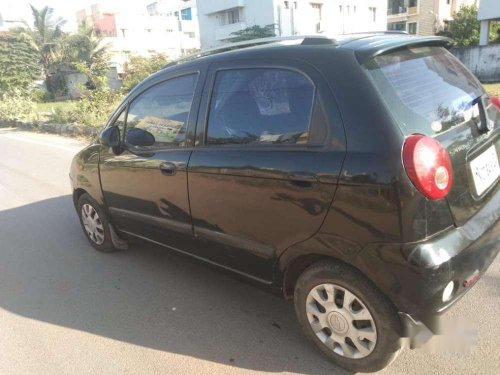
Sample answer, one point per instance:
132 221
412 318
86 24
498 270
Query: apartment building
164 26
422 17
219 19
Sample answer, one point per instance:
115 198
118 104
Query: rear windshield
427 89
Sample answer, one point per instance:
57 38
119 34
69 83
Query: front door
264 170
145 188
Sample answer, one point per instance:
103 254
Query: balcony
209 7
224 32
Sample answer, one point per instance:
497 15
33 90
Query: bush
140 67
39 94
59 115
94 108
17 106
18 63
464 28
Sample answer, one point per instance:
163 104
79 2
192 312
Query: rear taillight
428 166
495 100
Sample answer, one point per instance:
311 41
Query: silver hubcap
92 223
341 321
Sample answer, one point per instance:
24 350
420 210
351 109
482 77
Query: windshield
427 89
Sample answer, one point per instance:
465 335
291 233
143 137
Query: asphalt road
67 309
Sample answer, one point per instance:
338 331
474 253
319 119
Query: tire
101 239
332 331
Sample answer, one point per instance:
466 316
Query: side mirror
110 137
140 138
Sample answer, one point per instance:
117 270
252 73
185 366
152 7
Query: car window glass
163 110
427 89
260 106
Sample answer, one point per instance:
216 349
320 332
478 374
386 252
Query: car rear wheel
347 318
95 224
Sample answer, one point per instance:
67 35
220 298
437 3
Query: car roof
364 45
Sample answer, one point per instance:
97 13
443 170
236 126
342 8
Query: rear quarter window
426 88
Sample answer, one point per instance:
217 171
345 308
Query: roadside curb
68 130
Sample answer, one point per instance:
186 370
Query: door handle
168 169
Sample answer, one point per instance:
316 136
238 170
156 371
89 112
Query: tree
45 37
495 31
464 28
139 67
253 32
46 34
18 63
85 50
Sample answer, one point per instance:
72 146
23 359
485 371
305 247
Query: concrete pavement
67 309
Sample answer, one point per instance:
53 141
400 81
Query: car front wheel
95 224
347 318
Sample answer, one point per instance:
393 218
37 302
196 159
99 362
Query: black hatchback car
358 176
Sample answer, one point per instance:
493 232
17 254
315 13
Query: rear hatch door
430 92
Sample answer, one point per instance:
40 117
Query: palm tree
46 35
86 51
85 45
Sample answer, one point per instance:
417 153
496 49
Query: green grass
58 112
50 106
492 88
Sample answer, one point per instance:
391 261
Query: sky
20 9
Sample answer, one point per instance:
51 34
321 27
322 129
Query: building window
233 16
189 34
287 5
397 6
348 10
412 28
317 15
396 26
295 5
340 8
169 30
414 3
373 14
186 14
317 8
229 17
124 32
152 9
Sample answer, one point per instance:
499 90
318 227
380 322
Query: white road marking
41 143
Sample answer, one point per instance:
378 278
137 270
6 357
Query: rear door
430 92
263 173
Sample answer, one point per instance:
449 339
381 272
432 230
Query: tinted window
260 106
427 88
163 110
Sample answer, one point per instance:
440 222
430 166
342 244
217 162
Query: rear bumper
414 275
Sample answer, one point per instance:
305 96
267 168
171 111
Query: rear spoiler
381 46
